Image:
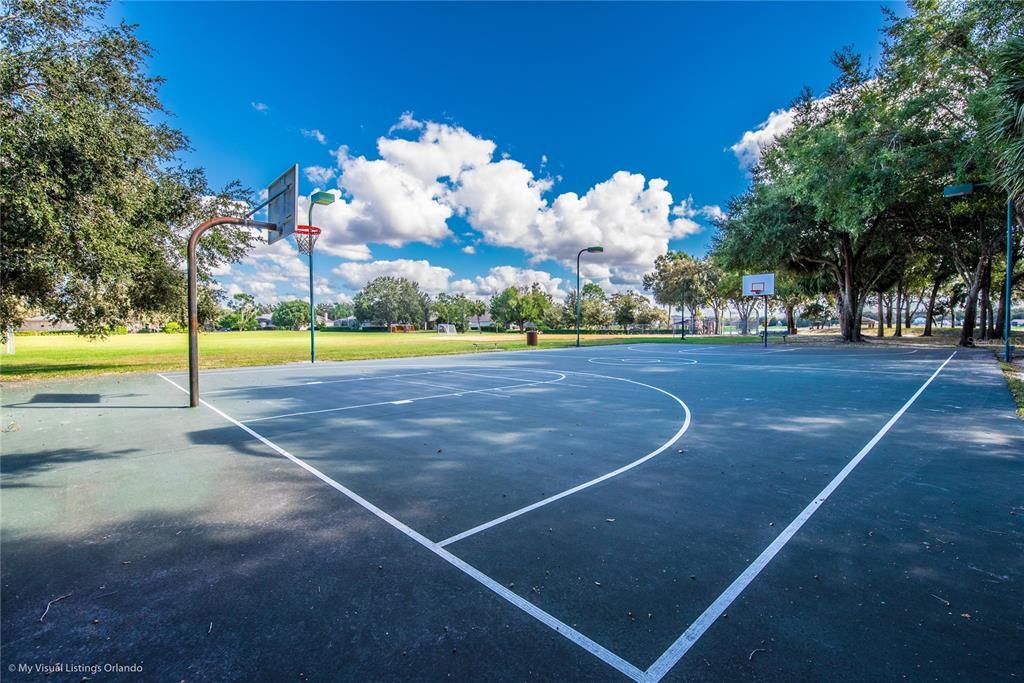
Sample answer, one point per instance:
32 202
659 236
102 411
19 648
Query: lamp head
595 250
322 198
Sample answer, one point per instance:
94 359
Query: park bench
774 333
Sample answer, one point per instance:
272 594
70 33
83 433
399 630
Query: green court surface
642 511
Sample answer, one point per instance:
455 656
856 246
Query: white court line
483 392
415 398
576 489
815 368
513 379
682 645
566 631
435 385
265 387
642 362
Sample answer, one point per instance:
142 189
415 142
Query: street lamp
323 199
966 189
589 250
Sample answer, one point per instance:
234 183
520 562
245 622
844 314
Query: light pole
966 189
589 250
323 199
682 310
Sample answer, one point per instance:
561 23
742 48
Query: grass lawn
51 356
1015 379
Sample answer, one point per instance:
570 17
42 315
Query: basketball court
648 512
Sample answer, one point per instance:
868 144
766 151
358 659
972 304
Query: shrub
173 328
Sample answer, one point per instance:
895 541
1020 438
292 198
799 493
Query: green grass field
52 356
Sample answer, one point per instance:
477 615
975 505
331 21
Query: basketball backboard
283 206
762 284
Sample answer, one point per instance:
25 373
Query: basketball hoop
305 237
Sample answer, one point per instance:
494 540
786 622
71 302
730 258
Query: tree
1004 127
243 313
340 310
839 192
96 206
731 287
647 315
626 307
389 300
595 312
521 305
476 308
452 308
505 307
291 315
954 70
537 306
715 291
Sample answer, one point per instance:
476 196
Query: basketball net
305 238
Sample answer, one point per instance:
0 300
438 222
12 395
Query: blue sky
480 145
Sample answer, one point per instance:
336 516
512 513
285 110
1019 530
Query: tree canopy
854 190
96 204
388 300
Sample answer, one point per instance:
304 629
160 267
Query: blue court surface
649 512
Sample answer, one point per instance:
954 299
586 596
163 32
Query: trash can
532 338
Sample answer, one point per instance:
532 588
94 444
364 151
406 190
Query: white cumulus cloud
418 182
753 142
319 175
501 278
406 122
315 135
431 278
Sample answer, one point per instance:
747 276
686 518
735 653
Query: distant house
349 323
265 321
476 323
43 323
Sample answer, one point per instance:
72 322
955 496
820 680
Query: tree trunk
997 329
790 320
986 282
899 308
850 309
931 309
888 310
971 305
881 317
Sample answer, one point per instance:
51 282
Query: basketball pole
312 308
766 321
193 296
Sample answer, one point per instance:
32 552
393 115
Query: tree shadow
20 465
277 577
